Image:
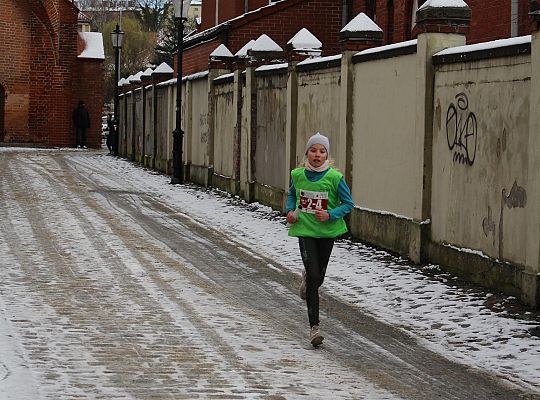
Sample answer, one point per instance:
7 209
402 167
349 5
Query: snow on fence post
263 51
241 72
360 33
439 25
301 46
219 63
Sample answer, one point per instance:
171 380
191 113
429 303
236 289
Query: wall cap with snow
444 11
361 27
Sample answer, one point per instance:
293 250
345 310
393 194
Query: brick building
46 67
491 20
280 20
235 22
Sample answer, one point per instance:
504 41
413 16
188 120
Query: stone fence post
438 28
258 55
162 73
531 280
217 66
359 34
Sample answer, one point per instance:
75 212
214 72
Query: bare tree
99 12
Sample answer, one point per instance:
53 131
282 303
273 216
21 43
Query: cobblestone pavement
107 292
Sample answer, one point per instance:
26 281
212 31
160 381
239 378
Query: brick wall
281 22
491 20
40 72
320 17
15 69
228 9
196 58
89 88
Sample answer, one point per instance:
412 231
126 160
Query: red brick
281 22
490 20
42 77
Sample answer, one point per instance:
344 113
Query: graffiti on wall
461 130
515 198
203 127
488 225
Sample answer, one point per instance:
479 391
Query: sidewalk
105 264
460 321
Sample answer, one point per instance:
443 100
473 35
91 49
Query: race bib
311 201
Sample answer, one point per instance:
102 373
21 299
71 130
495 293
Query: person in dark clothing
112 133
81 120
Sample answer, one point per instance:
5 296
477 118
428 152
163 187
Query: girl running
317 201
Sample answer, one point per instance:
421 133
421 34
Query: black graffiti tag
461 130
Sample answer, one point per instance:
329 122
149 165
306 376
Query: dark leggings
81 136
315 255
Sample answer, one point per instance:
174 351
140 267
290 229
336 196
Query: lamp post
181 8
117 35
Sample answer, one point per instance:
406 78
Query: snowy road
111 287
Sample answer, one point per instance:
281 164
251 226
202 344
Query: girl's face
317 155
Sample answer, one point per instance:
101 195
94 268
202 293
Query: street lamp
181 8
117 35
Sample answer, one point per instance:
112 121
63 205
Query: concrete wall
199 115
148 143
135 148
122 115
224 133
441 152
164 126
480 151
271 113
245 132
481 154
387 168
125 139
318 111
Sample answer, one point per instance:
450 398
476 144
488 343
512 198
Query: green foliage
136 54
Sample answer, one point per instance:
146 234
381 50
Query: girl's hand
290 218
322 215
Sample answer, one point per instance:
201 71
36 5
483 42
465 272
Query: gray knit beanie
318 139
